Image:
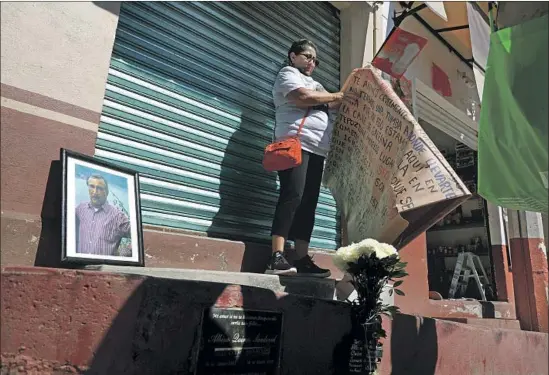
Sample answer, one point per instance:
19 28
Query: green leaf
397 283
390 292
399 292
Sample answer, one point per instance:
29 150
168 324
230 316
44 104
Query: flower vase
372 347
365 351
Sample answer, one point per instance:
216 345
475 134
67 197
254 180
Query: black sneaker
306 267
278 265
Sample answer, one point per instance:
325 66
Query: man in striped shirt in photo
100 226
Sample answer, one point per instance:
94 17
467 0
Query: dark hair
300 46
98 177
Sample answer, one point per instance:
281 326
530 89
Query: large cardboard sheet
389 180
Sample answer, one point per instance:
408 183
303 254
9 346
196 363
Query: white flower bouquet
371 265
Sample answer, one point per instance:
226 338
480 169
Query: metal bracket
407 12
452 28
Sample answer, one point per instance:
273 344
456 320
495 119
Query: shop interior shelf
469 225
456 255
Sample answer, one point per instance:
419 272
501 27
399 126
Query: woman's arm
344 89
303 97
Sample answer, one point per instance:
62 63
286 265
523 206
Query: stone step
298 285
105 323
488 323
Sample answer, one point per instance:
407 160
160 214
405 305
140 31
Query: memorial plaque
356 357
239 341
387 177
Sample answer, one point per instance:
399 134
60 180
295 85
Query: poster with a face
101 222
398 52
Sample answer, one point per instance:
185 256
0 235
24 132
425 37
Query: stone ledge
28 240
488 323
464 308
299 285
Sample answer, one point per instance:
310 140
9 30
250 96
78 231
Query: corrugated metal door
437 111
188 104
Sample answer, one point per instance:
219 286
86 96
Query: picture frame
101 212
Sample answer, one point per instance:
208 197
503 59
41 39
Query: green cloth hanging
512 138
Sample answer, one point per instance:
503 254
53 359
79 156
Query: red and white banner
398 52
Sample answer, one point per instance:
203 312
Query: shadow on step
255 258
157 331
48 253
414 350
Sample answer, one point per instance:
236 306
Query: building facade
180 92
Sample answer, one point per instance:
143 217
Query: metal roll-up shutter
188 105
437 111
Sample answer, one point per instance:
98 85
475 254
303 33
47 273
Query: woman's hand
304 98
345 96
345 93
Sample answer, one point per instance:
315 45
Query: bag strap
303 121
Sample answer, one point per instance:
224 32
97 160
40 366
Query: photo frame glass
102 219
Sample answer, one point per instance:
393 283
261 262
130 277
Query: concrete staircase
131 322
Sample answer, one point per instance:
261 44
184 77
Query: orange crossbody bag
284 154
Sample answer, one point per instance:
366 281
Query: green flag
512 138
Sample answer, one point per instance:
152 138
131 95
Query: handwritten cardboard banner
389 180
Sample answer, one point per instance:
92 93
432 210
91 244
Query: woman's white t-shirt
317 130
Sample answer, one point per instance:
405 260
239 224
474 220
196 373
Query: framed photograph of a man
101 212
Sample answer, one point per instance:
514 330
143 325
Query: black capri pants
294 217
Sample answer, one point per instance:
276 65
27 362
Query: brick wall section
139 325
21 364
530 270
530 274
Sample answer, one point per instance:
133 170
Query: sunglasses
310 57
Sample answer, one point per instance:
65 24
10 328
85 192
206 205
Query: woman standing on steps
295 92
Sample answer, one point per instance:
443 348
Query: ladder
468 266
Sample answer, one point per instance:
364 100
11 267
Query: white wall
356 26
363 26
59 49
